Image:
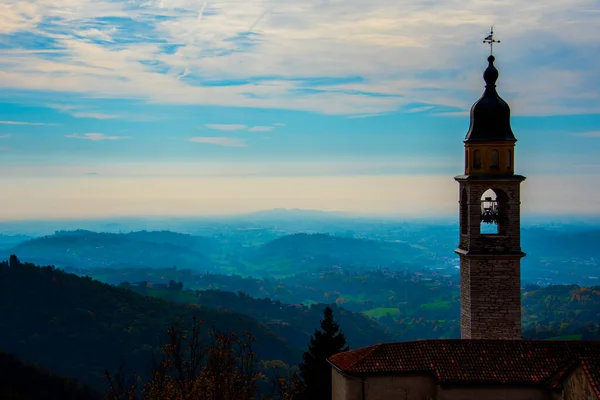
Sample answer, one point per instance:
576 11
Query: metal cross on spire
490 39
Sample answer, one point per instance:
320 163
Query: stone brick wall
490 298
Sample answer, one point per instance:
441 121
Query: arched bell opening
494 211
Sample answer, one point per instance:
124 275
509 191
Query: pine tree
13 261
315 370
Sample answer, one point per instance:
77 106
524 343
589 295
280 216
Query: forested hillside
77 327
421 305
20 381
293 323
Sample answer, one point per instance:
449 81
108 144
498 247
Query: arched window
509 159
494 159
477 159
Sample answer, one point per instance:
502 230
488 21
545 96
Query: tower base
490 296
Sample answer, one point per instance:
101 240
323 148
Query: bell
489 211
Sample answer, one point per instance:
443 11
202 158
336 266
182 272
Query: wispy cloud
239 127
6 136
420 109
261 128
81 111
594 134
226 127
360 116
4 148
426 53
220 141
95 136
279 124
94 115
453 114
24 123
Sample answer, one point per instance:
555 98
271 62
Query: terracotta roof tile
470 361
592 370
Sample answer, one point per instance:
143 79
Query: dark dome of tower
490 115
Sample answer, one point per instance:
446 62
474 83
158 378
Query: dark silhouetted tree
315 370
191 368
13 261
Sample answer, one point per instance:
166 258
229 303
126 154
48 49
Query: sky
181 107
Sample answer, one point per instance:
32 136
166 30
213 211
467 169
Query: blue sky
276 103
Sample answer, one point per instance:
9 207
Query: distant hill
197 243
302 252
20 381
8 241
557 243
86 249
76 326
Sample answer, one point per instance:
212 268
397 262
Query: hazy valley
113 290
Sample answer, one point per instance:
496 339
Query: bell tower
490 243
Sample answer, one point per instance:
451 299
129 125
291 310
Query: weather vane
490 39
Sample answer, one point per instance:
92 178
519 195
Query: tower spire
490 115
490 40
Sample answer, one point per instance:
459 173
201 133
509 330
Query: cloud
238 127
420 109
94 115
594 134
226 127
279 124
4 148
6 136
24 123
360 116
80 111
220 141
278 53
261 128
95 136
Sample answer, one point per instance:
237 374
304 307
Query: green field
436 305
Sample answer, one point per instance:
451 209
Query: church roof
592 370
490 115
460 361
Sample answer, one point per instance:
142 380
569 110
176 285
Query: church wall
413 387
345 387
493 393
577 386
